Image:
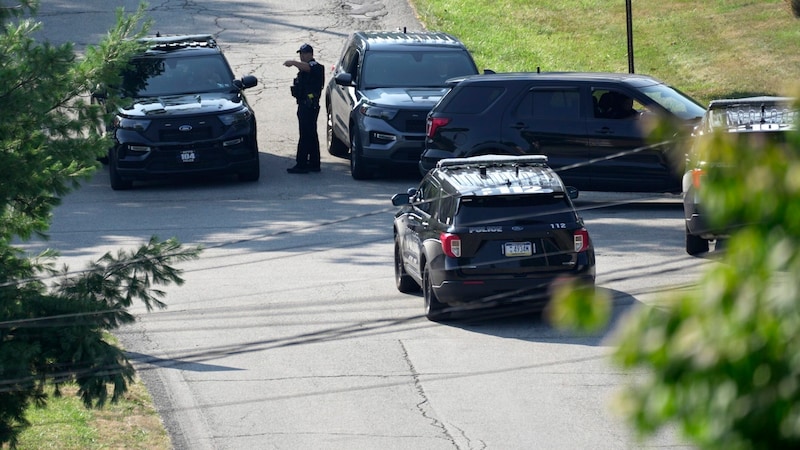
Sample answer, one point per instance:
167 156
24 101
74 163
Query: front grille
415 126
195 134
412 121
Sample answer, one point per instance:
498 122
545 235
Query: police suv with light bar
182 113
489 230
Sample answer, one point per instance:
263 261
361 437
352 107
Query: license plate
188 156
512 249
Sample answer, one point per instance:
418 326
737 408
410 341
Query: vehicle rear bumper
697 226
489 291
696 223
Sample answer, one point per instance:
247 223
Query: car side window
552 104
349 63
613 104
447 208
472 99
429 198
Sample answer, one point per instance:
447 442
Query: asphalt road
289 332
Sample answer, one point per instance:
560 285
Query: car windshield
674 101
160 76
414 68
537 208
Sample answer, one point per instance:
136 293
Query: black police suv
489 230
183 113
382 89
593 127
752 121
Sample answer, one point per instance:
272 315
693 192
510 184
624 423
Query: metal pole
629 22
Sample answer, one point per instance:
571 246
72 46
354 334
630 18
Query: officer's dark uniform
307 89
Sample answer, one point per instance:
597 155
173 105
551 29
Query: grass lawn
706 48
66 424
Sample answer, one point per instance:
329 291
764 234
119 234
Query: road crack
424 406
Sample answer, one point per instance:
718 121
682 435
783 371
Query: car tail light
451 245
433 123
697 174
581 240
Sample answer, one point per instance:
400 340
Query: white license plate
188 156
512 249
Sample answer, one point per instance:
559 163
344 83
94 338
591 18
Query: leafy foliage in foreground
722 361
52 322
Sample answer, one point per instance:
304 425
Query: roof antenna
538 69
158 34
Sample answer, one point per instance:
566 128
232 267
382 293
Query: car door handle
604 130
520 126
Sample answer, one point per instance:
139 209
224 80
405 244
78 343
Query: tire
117 182
434 309
403 280
336 147
357 168
695 244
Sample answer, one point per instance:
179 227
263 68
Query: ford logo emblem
185 128
517 228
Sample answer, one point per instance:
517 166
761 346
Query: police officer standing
307 89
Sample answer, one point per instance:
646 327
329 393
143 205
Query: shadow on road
532 324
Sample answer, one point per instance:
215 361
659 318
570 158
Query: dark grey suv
382 89
489 230
593 127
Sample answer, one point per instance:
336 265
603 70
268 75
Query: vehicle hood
176 105
422 97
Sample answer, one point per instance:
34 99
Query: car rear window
535 208
471 99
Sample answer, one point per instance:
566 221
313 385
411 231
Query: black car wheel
357 169
434 309
402 279
335 145
117 182
695 244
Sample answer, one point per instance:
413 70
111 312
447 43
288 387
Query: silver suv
754 122
382 89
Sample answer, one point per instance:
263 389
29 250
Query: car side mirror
572 192
488 71
400 199
343 79
247 81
